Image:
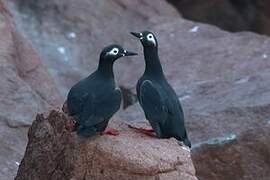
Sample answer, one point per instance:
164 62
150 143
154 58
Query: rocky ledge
53 152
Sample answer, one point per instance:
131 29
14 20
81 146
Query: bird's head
147 39
114 52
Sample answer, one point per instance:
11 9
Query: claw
147 131
110 131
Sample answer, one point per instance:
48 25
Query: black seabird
93 100
157 98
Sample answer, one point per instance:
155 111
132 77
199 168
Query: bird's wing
76 102
153 105
101 108
109 105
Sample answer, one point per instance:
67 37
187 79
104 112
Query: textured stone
222 80
26 88
246 157
231 15
53 152
71 33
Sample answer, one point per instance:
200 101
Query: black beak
129 53
137 35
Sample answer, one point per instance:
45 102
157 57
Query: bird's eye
151 39
114 51
149 36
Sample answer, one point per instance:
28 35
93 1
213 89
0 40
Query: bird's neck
152 62
105 68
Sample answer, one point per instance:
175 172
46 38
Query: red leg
110 131
147 131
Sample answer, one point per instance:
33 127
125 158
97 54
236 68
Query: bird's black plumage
94 100
157 98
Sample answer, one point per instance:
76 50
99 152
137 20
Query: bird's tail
187 142
184 140
85 131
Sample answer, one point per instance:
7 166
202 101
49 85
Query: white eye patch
113 52
150 37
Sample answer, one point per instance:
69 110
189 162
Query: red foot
110 131
147 131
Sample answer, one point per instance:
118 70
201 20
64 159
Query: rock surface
222 78
71 33
246 157
223 82
231 15
26 88
53 152
64 33
214 73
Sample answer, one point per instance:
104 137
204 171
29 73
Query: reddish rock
53 152
26 88
214 73
71 33
68 37
247 157
222 80
231 15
